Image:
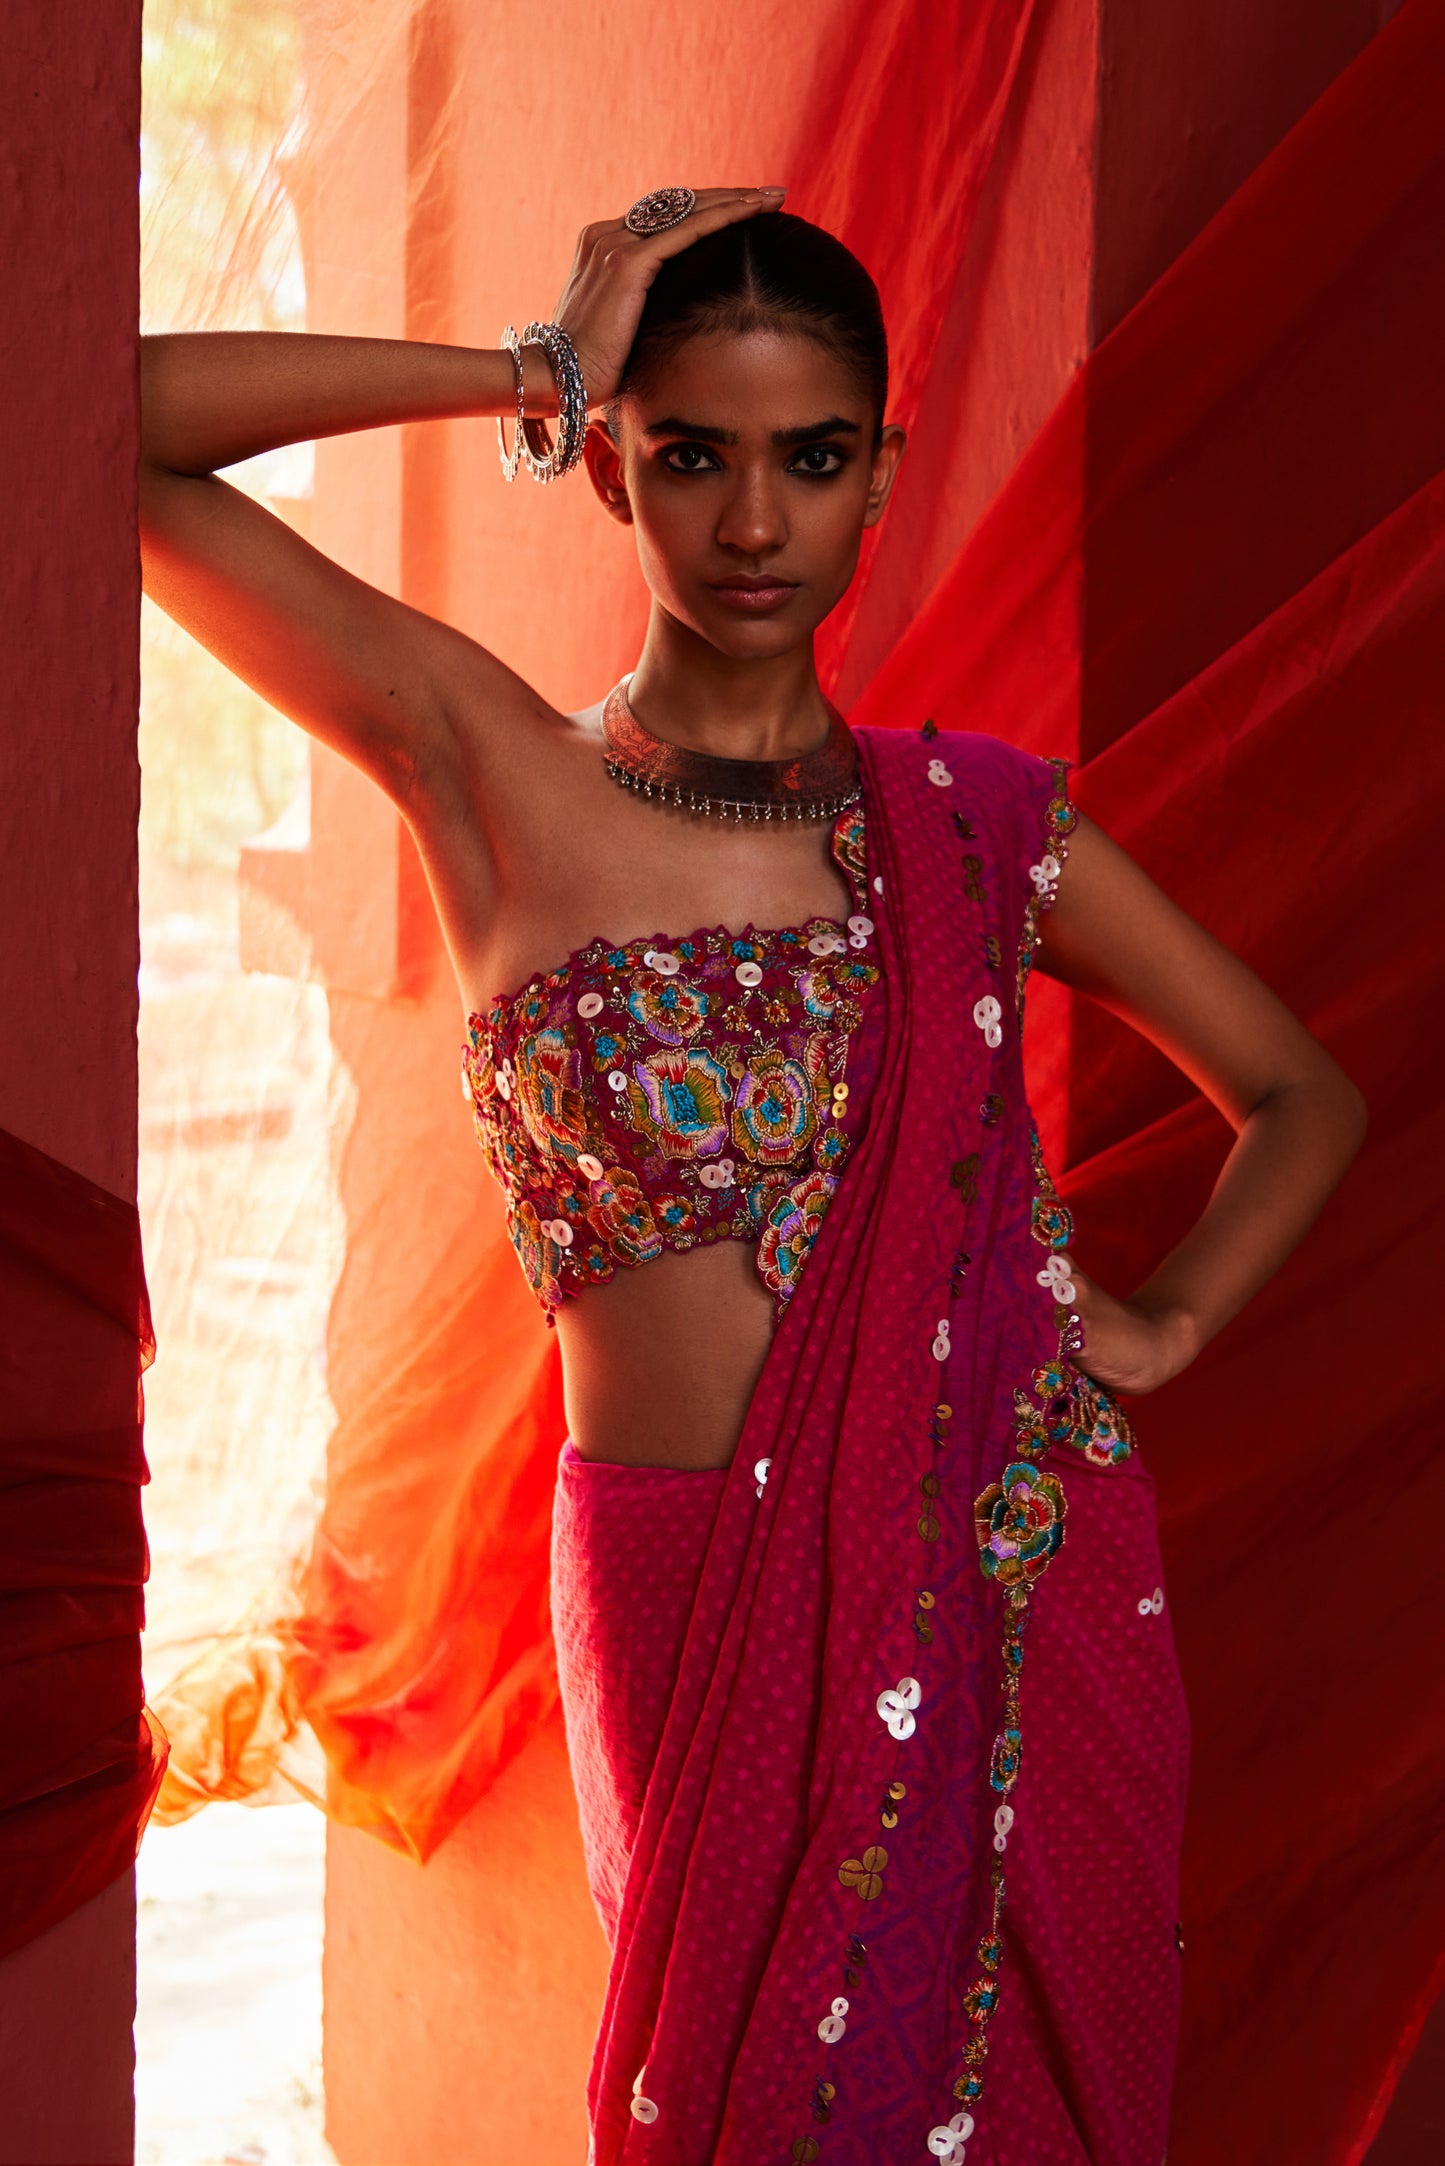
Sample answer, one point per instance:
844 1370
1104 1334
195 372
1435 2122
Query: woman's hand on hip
602 300
1128 1347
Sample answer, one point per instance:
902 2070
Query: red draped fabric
81 1760
1219 577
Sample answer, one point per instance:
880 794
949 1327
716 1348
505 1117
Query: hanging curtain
82 1759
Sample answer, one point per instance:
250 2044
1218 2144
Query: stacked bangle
531 446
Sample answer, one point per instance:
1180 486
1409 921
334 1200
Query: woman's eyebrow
814 430
703 432
699 431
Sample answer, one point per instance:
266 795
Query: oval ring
659 210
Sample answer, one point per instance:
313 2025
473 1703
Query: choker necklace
817 785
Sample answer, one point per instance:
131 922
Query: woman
841 1425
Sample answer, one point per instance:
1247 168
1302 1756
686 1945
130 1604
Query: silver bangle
511 459
532 447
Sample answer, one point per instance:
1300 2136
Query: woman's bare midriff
659 1363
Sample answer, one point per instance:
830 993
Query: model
870 1689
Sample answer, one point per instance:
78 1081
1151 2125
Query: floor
228 2029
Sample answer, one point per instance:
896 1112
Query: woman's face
749 471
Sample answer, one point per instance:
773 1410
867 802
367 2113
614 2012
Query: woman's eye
689 459
818 459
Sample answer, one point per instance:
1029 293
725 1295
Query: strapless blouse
670 1092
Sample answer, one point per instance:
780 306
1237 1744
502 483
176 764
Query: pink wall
69 597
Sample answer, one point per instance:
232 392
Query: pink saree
879 1889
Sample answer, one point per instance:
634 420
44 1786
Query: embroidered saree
878 1887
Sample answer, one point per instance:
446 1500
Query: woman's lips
755 599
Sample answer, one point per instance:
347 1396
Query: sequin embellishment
651 1097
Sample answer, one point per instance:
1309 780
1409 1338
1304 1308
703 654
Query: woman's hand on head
602 300
1129 1347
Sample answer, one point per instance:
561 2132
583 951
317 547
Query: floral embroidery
821 992
549 1085
1019 1523
699 1072
793 1226
1095 1424
679 1101
525 1229
672 1011
1053 1222
623 1217
850 848
775 1112
675 1217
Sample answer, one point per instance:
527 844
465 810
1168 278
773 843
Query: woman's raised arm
391 688
362 671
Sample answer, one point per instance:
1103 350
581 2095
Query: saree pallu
878 1888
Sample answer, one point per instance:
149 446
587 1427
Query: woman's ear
891 447
604 470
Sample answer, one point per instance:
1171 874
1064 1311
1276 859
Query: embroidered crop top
665 1093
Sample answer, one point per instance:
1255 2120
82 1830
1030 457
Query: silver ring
658 212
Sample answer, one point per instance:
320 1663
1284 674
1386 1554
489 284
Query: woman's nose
753 520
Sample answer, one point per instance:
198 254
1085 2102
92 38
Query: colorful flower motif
1097 1425
1074 1410
623 1217
1031 1434
981 1999
831 1147
537 1255
990 1951
666 1051
763 1193
671 1010
819 991
1007 1758
477 1073
675 1216
549 1085
679 1100
849 845
1019 1523
775 1113
1053 1222
1054 1377
793 1226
